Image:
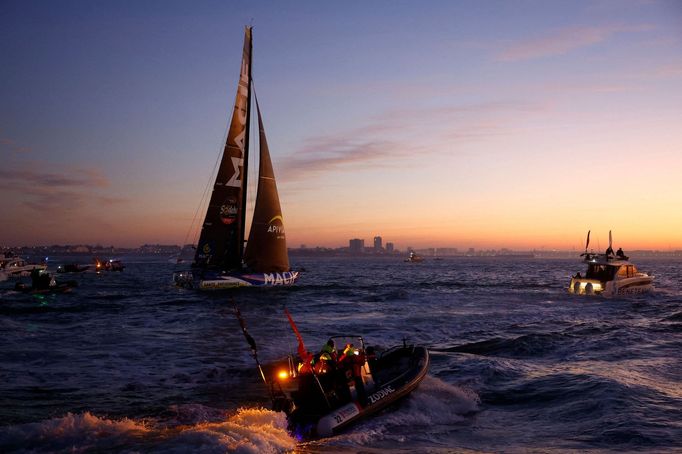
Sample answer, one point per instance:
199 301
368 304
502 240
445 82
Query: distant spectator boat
13 266
414 258
609 274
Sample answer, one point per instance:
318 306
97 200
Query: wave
674 318
528 345
249 430
436 406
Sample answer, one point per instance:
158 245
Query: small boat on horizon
108 265
414 258
221 261
43 282
73 268
609 274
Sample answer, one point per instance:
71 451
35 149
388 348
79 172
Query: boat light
283 375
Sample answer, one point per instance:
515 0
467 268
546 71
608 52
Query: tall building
356 246
389 247
377 244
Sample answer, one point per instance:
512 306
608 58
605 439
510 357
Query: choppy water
129 363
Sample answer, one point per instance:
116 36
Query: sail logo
277 229
229 211
377 396
285 278
235 180
239 120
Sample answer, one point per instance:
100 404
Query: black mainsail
221 242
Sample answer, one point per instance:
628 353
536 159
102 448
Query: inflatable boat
323 396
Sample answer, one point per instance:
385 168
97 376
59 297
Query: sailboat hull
220 281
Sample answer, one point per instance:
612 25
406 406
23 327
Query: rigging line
208 184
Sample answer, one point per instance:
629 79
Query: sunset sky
484 124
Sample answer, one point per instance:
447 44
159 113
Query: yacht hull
223 281
628 286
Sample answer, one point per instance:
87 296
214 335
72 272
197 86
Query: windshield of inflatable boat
356 341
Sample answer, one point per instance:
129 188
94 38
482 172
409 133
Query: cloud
329 154
672 71
564 40
412 132
55 191
11 145
75 178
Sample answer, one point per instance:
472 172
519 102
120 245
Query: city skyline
449 124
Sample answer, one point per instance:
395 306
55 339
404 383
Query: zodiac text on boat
377 396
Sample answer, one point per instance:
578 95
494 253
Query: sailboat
221 261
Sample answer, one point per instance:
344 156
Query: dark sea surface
127 362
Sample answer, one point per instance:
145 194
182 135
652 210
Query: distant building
389 247
356 246
377 244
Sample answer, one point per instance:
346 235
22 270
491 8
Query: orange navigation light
283 375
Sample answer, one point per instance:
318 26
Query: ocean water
129 363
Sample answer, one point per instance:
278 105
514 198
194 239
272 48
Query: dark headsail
266 249
221 242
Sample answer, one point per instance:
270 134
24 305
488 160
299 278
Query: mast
221 243
242 228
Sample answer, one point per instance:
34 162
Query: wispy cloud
562 41
75 178
55 191
412 132
335 153
7 144
672 71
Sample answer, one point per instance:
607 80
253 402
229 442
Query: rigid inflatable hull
391 384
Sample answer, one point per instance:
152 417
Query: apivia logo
277 229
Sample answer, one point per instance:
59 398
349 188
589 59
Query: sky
435 123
